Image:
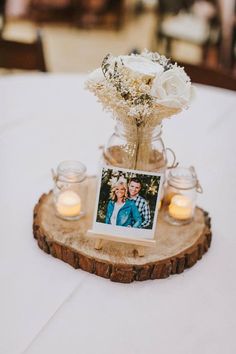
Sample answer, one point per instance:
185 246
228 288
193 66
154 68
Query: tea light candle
181 207
68 204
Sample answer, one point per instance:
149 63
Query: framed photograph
127 205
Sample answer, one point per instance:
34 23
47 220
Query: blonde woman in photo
122 211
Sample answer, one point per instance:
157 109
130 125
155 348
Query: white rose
140 65
96 76
172 88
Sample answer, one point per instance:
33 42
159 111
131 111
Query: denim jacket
128 215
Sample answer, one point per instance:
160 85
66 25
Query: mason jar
70 190
137 148
180 195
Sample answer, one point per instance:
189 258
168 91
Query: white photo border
122 233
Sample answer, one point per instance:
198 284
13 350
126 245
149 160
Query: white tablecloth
46 306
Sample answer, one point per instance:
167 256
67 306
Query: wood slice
177 247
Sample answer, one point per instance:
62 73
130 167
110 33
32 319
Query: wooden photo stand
177 247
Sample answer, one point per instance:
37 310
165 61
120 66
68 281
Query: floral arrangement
141 89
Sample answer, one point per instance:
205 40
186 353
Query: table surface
46 305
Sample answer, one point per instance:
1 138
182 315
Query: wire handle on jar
199 188
174 163
55 179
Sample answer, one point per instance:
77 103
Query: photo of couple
126 207
128 198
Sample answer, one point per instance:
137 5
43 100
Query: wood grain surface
177 247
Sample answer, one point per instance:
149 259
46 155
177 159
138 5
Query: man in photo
141 203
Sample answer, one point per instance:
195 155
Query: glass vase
136 147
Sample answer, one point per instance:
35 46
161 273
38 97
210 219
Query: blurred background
75 35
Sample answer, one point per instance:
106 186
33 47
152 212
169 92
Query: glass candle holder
180 195
69 190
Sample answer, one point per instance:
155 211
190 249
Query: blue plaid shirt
143 209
